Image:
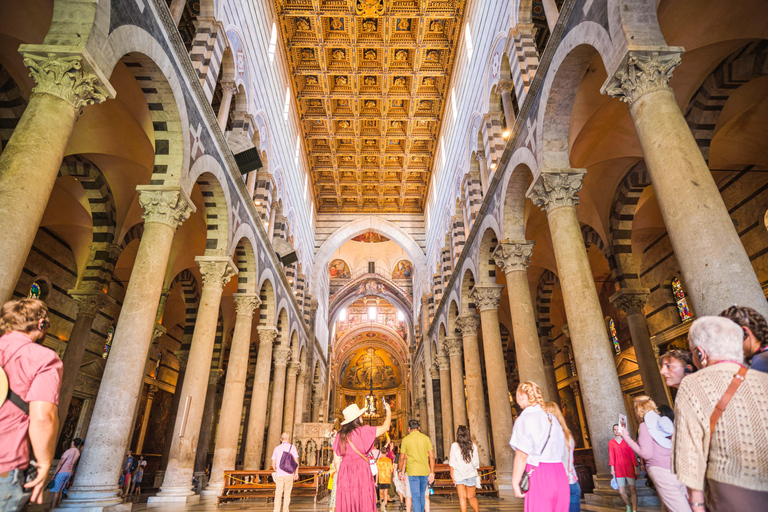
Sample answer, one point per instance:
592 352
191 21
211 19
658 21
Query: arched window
613 335
35 291
108 343
681 300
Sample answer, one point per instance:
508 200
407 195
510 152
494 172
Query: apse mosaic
403 270
370 365
338 269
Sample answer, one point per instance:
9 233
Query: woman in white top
539 445
464 462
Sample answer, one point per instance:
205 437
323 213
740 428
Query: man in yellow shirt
417 459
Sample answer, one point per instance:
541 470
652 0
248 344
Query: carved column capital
89 302
454 346
505 86
417 402
168 205
313 305
468 324
513 255
267 335
182 356
553 190
631 301
216 270
69 76
151 392
293 368
434 370
246 303
566 331
229 87
643 72
158 331
215 376
281 356
443 362
487 297
575 388
548 353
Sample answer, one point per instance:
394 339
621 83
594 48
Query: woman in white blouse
539 444
464 462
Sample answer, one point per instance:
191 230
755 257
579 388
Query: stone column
228 89
301 395
177 484
254 448
505 90
271 227
556 193
225 454
454 345
282 354
716 268
478 425
317 403
145 419
177 10
211 405
487 299
95 486
29 164
89 303
250 184
514 257
548 352
430 395
421 405
182 356
481 161
580 410
444 365
632 303
550 13
290 396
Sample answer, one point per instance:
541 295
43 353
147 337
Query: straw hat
661 428
351 413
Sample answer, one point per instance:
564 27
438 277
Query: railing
313 481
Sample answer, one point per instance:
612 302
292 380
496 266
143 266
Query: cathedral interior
244 216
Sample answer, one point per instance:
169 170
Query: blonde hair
532 391
554 410
22 315
644 404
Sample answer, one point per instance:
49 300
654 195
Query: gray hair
719 337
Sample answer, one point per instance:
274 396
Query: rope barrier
268 485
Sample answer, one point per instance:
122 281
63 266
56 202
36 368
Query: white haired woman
731 459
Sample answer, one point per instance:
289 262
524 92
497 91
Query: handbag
288 462
525 480
371 462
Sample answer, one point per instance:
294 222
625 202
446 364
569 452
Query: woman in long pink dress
355 488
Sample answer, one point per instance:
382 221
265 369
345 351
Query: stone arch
592 237
453 315
241 70
74 23
191 294
621 218
216 216
267 298
547 282
135 233
264 142
12 99
523 11
467 285
247 266
571 60
485 262
283 328
513 191
493 69
634 22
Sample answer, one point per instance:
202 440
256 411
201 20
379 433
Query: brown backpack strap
358 452
723 403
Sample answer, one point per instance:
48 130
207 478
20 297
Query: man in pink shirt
64 470
29 415
284 479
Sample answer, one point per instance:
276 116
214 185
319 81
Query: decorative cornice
246 303
281 356
468 324
168 205
553 190
89 302
216 270
454 346
487 297
644 72
513 255
267 335
631 301
67 76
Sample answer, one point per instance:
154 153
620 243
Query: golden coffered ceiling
370 77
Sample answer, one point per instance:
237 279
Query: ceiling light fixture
505 134
493 167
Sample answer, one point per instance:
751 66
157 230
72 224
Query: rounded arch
486 265
283 328
515 184
267 297
216 212
547 282
621 218
468 282
244 258
493 68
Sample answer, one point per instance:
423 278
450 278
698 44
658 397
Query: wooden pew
313 481
443 485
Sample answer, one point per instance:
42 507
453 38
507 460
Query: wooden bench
313 481
443 485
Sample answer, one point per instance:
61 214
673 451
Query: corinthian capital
443 362
267 335
512 256
468 324
487 297
453 346
555 189
282 355
246 303
293 368
644 72
89 302
631 301
168 205
216 270
68 76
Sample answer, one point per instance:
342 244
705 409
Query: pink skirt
548 490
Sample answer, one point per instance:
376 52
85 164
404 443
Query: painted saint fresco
403 270
370 365
371 237
338 269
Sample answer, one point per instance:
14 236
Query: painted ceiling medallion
370 7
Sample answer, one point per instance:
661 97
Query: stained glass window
108 343
156 371
35 291
614 336
681 300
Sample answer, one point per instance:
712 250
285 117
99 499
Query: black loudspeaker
285 251
248 160
289 258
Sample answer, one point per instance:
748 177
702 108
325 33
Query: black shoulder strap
548 433
12 396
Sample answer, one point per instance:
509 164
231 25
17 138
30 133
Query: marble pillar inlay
254 449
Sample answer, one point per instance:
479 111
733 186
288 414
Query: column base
122 507
106 499
160 500
159 477
504 481
213 491
604 495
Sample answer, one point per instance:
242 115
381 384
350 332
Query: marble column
429 395
254 449
444 369
145 419
211 405
632 303
177 484
550 13
177 10
421 405
505 90
95 485
225 454
487 299
483 163
317 403
514 257
301 395
29 163
580 410
556 193
459 401
182 356
89 303
548 353
478 425
716 268
290 396
228 89
271 227
281 357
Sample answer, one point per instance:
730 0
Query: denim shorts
13 497
60 481
469 482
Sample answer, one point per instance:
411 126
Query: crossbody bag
525 480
